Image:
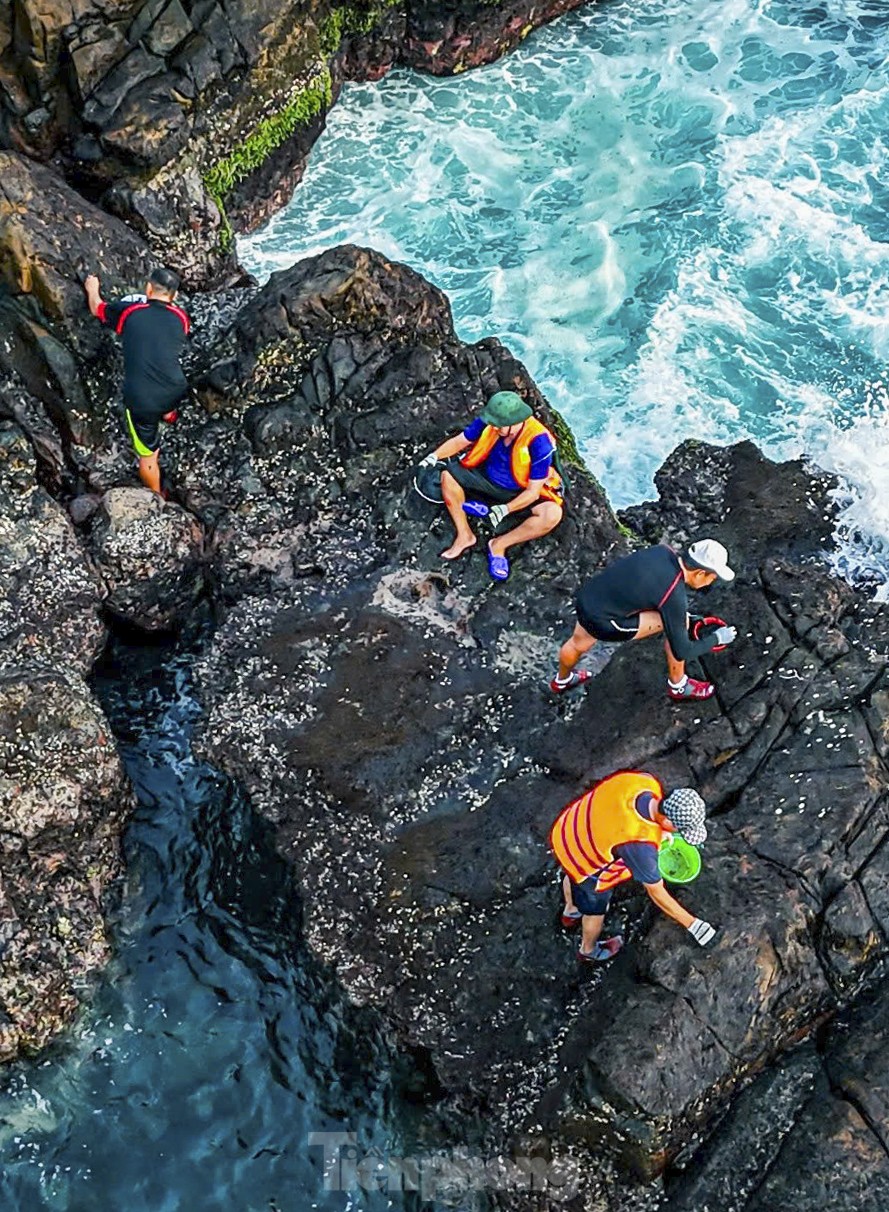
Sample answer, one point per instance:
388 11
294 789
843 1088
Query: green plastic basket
678 861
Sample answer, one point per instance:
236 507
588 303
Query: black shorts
144 434
143 425
477 484
595 619
589 902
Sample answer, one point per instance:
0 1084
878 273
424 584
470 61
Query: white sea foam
675 212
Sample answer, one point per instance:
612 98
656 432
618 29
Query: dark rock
389 713
137 103
50 591
50 237
61 811
150 553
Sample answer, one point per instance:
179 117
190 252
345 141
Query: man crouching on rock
504 457
613 834
153 330
645 594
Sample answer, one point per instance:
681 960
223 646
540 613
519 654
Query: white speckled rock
50 591
63 797
151 554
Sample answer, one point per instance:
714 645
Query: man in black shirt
153 330
645 594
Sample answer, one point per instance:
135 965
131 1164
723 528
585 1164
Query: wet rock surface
389 714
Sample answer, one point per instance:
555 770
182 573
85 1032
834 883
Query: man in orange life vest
612 834
504 456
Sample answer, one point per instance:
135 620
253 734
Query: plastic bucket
678 861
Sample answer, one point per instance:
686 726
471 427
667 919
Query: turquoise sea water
674 211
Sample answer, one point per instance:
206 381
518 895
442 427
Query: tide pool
674 211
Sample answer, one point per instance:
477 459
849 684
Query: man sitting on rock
153 330
504 461
644 594
613 834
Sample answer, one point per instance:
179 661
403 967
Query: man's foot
605 950
498 565
690 690
458 548
571 919
575 678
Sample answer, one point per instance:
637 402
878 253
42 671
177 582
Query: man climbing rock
503 463
613 834
153 330
644 594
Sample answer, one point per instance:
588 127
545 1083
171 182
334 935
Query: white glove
497 514
429 460
701 932
725 635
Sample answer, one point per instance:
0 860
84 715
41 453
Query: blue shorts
587 900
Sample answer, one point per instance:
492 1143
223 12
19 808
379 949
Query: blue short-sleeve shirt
498 465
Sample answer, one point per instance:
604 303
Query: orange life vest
586 832
521 456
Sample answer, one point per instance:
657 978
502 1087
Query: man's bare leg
675 669
591 928
573 649
545 517
150 472
454 496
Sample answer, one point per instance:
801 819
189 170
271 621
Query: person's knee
450 489
550 515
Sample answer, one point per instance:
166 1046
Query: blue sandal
602 951
498 566
476 509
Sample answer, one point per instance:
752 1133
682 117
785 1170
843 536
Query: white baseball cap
711 556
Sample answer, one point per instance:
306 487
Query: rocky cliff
389 714
193 117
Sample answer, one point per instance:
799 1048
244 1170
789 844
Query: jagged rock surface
63 796
389 713
150 554
50 590
173 112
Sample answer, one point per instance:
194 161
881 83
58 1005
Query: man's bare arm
453 446
667 904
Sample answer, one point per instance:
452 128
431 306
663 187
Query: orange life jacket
521 456
586 832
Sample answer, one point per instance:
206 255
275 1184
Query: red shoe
576 678
691 691
171 417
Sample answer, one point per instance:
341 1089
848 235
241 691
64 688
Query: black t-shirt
153 333
646 580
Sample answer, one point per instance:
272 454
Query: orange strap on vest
520 456
585 833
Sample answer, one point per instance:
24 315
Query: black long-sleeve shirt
646 580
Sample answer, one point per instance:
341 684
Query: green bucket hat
505 408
